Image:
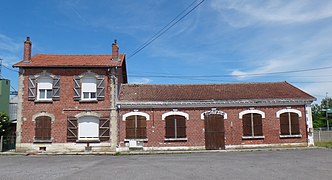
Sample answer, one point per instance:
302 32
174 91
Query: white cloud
9 50
271 11
140 81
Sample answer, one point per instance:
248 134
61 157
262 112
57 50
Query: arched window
252 124
175 126
136 127
43 128
88 128
289 123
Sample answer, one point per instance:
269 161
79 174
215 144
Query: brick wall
233 127
60 108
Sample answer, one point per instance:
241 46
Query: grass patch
327 144
117 154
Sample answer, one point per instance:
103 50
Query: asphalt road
286 164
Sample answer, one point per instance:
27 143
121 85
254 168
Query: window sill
42 141
145 140
88 100
291 136
44 101
253 137
176 139
88 140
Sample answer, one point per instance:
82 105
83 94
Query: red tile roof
176 92
57 60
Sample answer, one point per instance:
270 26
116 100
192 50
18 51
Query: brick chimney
27 50
115 51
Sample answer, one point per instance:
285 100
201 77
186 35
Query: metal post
1 141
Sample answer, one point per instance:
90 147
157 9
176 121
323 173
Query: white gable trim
220 112
251 111
288 110
186 115
147 116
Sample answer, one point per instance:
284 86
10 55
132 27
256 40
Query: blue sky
221 38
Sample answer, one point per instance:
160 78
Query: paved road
286 164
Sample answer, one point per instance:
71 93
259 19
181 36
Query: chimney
115 51
27 50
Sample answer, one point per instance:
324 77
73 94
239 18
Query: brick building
67 101
214 116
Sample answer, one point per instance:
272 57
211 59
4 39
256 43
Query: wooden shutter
32 88
284 124
72 129
258 126
100 88
77 88
130 127
56 88
170 127
104 129
246 121
180 126
141 127
295 123
43 128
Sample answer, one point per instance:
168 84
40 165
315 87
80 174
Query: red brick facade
233 127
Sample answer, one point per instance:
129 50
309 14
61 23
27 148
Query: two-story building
67 101
73 102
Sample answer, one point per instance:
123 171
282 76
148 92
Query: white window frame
44 84
89 87
90 123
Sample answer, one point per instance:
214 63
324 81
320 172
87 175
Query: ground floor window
136 127
175 126
252 124
88 128
43 128
289 124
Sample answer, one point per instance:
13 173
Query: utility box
4 95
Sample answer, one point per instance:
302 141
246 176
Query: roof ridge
207 84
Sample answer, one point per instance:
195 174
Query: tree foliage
319 113
4 124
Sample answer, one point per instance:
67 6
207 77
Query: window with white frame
89 88
88 128
44 88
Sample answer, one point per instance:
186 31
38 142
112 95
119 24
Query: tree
319 112
4 124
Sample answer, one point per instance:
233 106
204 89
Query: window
88 128
136 127
44 86
289 123
89 88
252 124
43 128
175 126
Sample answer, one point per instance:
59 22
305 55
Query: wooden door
43 128
214 132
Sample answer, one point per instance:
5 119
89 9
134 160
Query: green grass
327 144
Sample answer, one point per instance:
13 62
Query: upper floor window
89 88
44 87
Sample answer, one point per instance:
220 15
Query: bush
4 124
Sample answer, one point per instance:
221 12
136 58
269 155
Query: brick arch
146 115
43 114
217 112
251 111
83 114
288 110
179 113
